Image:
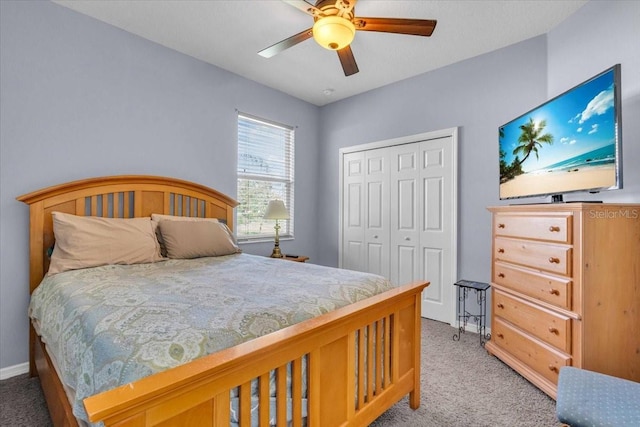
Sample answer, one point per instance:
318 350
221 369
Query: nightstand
297 258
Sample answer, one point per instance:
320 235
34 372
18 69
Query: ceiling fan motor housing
333 32
334 29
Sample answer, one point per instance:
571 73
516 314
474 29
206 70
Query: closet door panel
353 195
405 259
404 207
376 213
432 266
432 209
407 194
436 224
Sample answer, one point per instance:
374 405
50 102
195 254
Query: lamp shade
333 32
276 210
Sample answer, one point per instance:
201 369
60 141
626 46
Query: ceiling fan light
333 32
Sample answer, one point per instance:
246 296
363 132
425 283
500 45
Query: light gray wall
81 98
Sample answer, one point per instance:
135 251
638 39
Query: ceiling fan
335 25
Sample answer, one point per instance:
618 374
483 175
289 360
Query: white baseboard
15 370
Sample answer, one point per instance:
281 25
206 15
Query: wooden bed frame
361 359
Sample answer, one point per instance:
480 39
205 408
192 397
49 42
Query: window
265 172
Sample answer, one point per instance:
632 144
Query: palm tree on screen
531 139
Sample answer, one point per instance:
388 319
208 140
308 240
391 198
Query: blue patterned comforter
111 325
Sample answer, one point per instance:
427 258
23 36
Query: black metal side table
480 289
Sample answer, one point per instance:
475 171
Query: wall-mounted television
570 143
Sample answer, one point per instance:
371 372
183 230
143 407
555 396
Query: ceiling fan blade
286 43
305 7
348 61
416 27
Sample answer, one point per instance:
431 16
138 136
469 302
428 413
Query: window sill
263 240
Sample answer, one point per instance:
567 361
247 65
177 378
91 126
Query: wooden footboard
361 359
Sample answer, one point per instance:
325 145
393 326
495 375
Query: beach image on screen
567 144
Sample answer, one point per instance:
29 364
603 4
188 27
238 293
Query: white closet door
399 214
376 230
437 223
404 211
353 204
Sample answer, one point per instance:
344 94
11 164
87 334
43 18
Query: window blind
265 172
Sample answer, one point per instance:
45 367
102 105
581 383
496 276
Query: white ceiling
229 33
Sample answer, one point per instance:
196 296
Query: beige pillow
89 241
156 218
194 239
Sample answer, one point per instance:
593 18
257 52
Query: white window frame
250 224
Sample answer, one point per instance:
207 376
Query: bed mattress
111 325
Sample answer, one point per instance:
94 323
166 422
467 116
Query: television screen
570 143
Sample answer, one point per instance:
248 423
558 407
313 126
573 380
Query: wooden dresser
566 289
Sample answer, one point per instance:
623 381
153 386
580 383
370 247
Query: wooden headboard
125 196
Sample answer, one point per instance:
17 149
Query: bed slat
94 206
245 405
361 368
221 409
387 351
370 379
264 399
380 357
296 392
281 395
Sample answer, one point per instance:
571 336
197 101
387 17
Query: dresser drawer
550 327
551 289
541 357
554 228
549 257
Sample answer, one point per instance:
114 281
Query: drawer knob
501 275
375 237
554 260
500 250
500 335
554 291
500 225
554 229
553 330
552 368
500 305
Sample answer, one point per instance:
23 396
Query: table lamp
276 210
